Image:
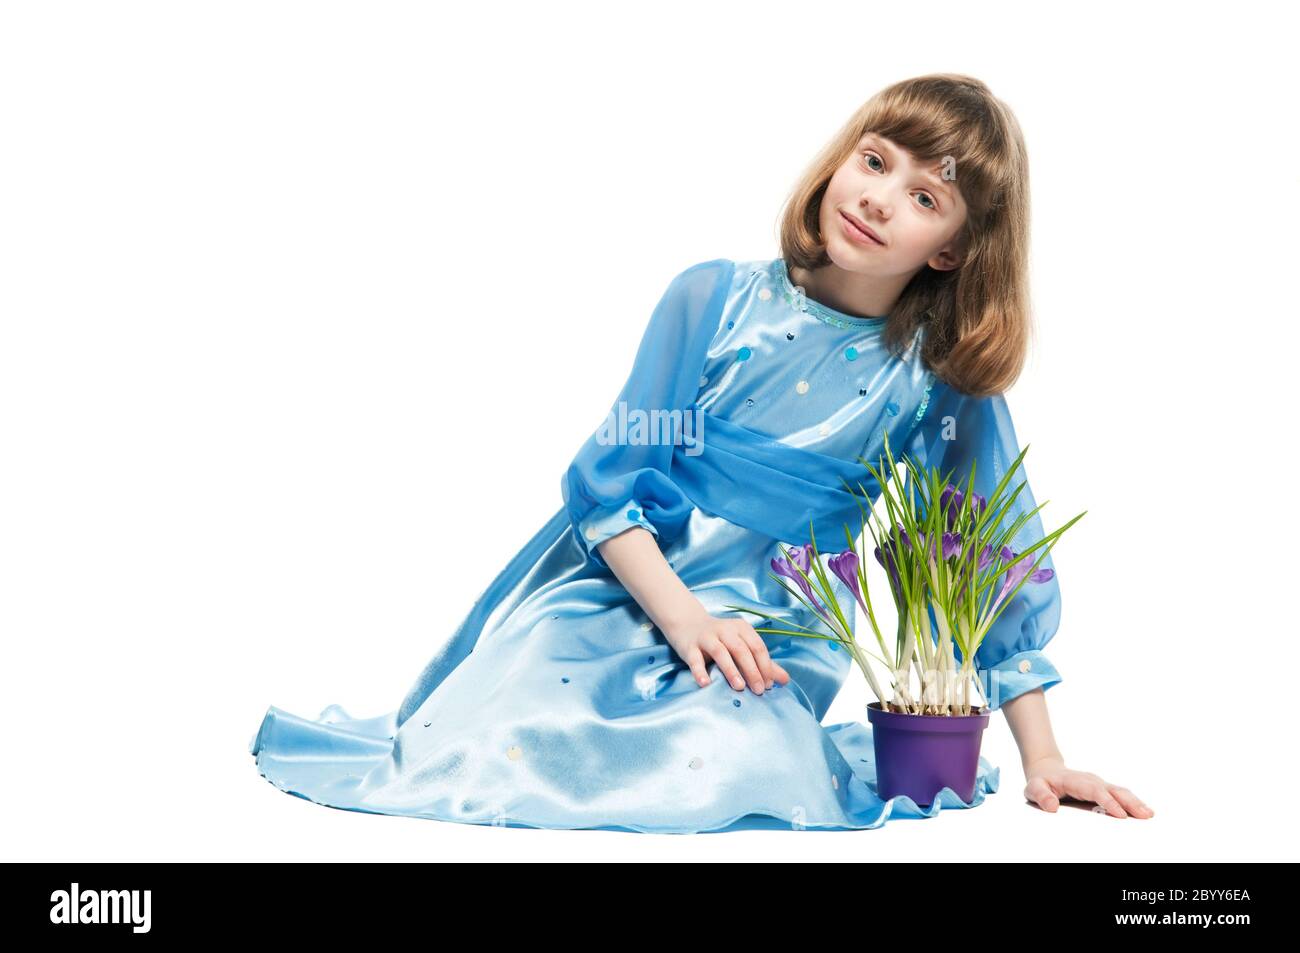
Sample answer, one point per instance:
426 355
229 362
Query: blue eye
867 157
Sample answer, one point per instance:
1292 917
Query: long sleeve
957 429
622 475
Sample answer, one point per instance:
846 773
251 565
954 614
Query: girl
599 681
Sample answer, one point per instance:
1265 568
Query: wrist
1038 762
681 614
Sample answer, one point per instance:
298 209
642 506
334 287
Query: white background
307 306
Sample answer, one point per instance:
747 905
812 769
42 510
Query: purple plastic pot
920 755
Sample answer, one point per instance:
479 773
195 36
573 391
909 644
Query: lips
860 227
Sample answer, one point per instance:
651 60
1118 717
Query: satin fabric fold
542 727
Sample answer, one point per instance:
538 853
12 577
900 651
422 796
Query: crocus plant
948 558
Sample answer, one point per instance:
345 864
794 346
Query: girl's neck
864 296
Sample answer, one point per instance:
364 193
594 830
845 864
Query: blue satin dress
558 704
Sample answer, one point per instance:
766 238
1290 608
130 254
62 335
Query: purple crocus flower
1017 573
890 562
950 504
950 501
919 545
845 566
951 545
802 558
985 558
932 548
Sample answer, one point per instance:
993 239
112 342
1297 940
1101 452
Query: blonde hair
976 316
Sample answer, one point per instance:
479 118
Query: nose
873 198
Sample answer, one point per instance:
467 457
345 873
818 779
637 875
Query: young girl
599 681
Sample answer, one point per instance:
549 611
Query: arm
623 502
636 560
961 432
1047 779
620 480
1027 716
979 431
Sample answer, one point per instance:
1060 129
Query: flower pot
920 755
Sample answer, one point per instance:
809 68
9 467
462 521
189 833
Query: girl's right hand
733 645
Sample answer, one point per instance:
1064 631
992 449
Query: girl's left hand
1049 780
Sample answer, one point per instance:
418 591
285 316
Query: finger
1105 799
1090 790
1041 793
1131 802
695 659
766 666
744 657
782 675
720 655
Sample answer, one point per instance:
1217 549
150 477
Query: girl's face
912 213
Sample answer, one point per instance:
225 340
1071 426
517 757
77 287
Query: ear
951 255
